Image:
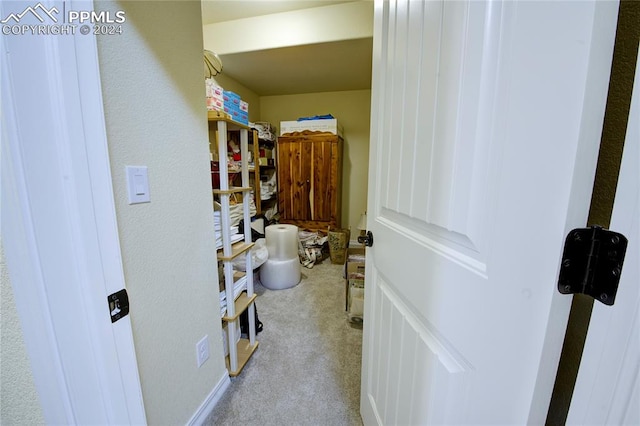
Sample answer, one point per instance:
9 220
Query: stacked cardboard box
354 285
215 100
223 100
236 107
322 125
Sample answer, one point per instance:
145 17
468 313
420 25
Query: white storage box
328 125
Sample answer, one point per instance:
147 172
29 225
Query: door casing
59 229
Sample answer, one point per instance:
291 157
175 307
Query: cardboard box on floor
355 308
354 270
354 266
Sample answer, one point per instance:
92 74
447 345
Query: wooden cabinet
310 179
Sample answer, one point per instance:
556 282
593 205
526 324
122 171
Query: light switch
138 184
138 178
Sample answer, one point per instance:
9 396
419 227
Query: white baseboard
210 402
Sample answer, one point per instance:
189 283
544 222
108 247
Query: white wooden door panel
607 390
478 123
426 379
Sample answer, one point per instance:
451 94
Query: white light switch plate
138 184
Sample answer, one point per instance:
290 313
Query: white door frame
607 388
59 229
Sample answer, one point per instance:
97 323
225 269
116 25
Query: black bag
244 321
261 223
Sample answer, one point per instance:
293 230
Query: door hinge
118 305
592 263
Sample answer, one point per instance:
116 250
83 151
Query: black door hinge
592 263
118 305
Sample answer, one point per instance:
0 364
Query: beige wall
19 402
322 24
352 109
154 99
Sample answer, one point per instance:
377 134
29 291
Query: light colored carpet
306 370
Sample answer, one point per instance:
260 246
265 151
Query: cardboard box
213 90
355 270
355 305
355 255
236 114
213 103
231 98
353 273
229 108
329 125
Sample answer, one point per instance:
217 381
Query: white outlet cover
202 350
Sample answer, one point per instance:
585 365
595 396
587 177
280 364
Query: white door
607 390
486 122
58 223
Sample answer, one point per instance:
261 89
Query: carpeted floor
306 370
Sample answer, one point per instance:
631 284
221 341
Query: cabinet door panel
303 181
322 181
294 172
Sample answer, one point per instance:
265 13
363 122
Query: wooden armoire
310 179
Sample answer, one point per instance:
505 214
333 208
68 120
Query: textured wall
617 113
352 109
19 403
153 90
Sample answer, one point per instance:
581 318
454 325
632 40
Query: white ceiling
323 67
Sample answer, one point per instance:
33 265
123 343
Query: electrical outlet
202 350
